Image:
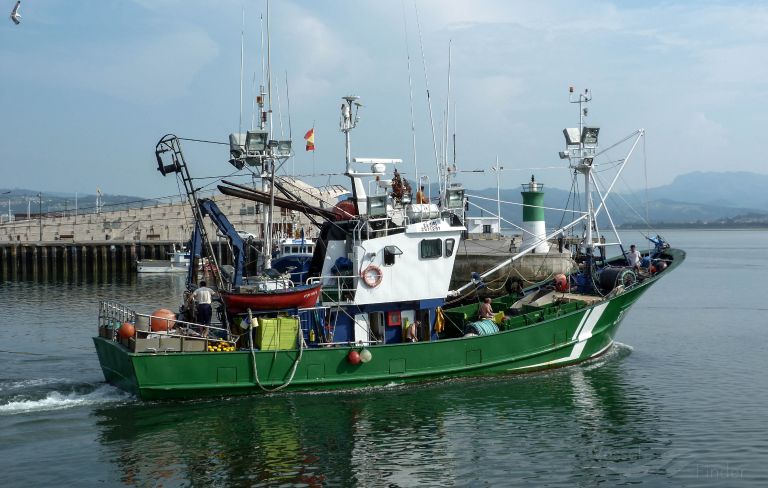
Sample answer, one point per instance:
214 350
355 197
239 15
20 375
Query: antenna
279 111
455 118
242 61
447 117
429 99
288 100
269 72
253 103
410 94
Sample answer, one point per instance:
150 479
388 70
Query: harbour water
679 401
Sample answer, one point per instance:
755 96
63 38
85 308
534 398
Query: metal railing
344 287
260 284
113 314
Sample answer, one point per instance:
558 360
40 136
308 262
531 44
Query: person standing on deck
421 198
634 257
203 297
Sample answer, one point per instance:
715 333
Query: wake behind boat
382 265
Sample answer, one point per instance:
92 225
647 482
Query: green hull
558 341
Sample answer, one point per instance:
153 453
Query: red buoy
127 330
561 283
162 320
353 357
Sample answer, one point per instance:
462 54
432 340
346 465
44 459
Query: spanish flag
310 138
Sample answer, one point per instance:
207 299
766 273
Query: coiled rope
253 357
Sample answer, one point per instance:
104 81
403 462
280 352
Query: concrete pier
96 261
481 254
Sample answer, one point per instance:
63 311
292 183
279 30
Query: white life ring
372 276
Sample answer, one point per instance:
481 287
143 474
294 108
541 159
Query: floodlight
589 135
572 136
377 206
565 154
255 142
236 145
454 198
284 148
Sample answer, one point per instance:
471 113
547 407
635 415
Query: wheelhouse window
431 248
449 245
389 254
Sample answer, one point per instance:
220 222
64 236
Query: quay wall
93 261
161 222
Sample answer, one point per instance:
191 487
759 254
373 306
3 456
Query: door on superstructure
377 326
362 328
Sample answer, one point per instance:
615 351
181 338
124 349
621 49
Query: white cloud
701 130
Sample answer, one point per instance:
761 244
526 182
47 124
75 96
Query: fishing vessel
385 313
177 262
293 256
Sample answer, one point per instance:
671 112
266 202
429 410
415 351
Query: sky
89 87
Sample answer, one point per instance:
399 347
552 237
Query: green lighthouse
534 230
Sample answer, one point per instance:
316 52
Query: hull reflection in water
430 434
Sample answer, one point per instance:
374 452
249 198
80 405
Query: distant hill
721 189
727 198
23 200
730 198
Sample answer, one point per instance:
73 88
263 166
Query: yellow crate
276 334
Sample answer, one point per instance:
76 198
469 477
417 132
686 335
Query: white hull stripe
583 334
601 351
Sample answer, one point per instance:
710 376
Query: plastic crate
277 333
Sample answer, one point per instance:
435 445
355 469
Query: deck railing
170 333
336 288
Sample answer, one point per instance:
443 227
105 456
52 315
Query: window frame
438 248
449 252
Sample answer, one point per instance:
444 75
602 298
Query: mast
269 167
581 149
348 122
446 168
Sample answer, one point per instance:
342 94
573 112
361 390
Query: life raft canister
372 276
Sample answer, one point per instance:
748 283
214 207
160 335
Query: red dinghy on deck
304 296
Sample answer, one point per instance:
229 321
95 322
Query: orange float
162 320
126 331
344 210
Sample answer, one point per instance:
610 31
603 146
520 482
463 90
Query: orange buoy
127 330
561 283
344 210
162 320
